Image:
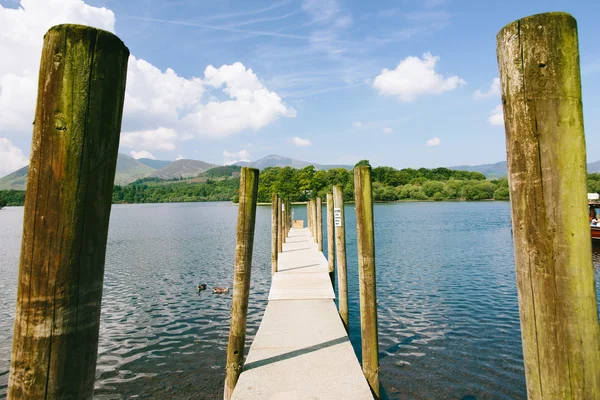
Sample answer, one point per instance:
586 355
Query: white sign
337 216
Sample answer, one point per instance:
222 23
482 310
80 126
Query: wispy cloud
387 130
493 91
497 117
434 141
299 142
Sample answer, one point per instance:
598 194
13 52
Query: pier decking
301 349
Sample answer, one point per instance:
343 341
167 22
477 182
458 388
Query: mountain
181 169
274 160
128 170
156 164
496 170
499 169
17 180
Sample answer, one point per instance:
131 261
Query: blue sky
317 89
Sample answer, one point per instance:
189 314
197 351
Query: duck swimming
201 287
220 290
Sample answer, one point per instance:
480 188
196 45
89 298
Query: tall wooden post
365 238
340 252
330 238
69 194
274 233
319 208
541 91
279 226
309 216
241 277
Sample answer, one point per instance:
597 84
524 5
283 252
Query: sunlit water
448 312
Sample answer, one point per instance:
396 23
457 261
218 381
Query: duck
201 287
220 290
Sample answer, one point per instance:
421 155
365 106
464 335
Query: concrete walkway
301 350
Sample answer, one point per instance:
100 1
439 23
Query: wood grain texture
69 193
365 238
340 256
330 238
538 58
274 226
241 277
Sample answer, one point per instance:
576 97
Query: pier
301 350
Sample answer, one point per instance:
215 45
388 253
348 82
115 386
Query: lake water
448 312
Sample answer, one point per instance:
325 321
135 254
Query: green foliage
12 198
224 171
363 163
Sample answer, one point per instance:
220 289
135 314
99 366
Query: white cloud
414 77
232 158
11 157
299 142
435 141
157 139
357 124
387 130
156 101
493 91
497 117
21 41
141 154
180 157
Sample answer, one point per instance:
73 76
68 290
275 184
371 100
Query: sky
405 83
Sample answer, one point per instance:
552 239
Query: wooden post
279 226
330 238
538 58
315 221
365 239
69 194
309 216
340 253
319 207
283 222
241 277
274 233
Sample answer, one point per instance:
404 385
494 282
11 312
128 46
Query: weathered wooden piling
340 252
274 233
279 226
241 277
319 208
365 239
315 221
538 58
309 215
69 194
330 238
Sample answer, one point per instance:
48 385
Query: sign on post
337 216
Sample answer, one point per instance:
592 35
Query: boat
594 213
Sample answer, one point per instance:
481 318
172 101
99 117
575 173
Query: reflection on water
448 313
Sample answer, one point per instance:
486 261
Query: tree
363 163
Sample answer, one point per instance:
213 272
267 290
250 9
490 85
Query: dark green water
448 312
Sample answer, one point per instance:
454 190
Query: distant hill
17 180
496 170
181 169
223 171
128 170
500 169
156 164
274 160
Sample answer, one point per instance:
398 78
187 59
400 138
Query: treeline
211 190
12 198
389 184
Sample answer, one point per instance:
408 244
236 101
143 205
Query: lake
448 311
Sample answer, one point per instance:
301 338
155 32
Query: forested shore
389 184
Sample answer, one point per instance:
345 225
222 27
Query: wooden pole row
248 195
538 58
319 218
75 143
274 233
330 238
